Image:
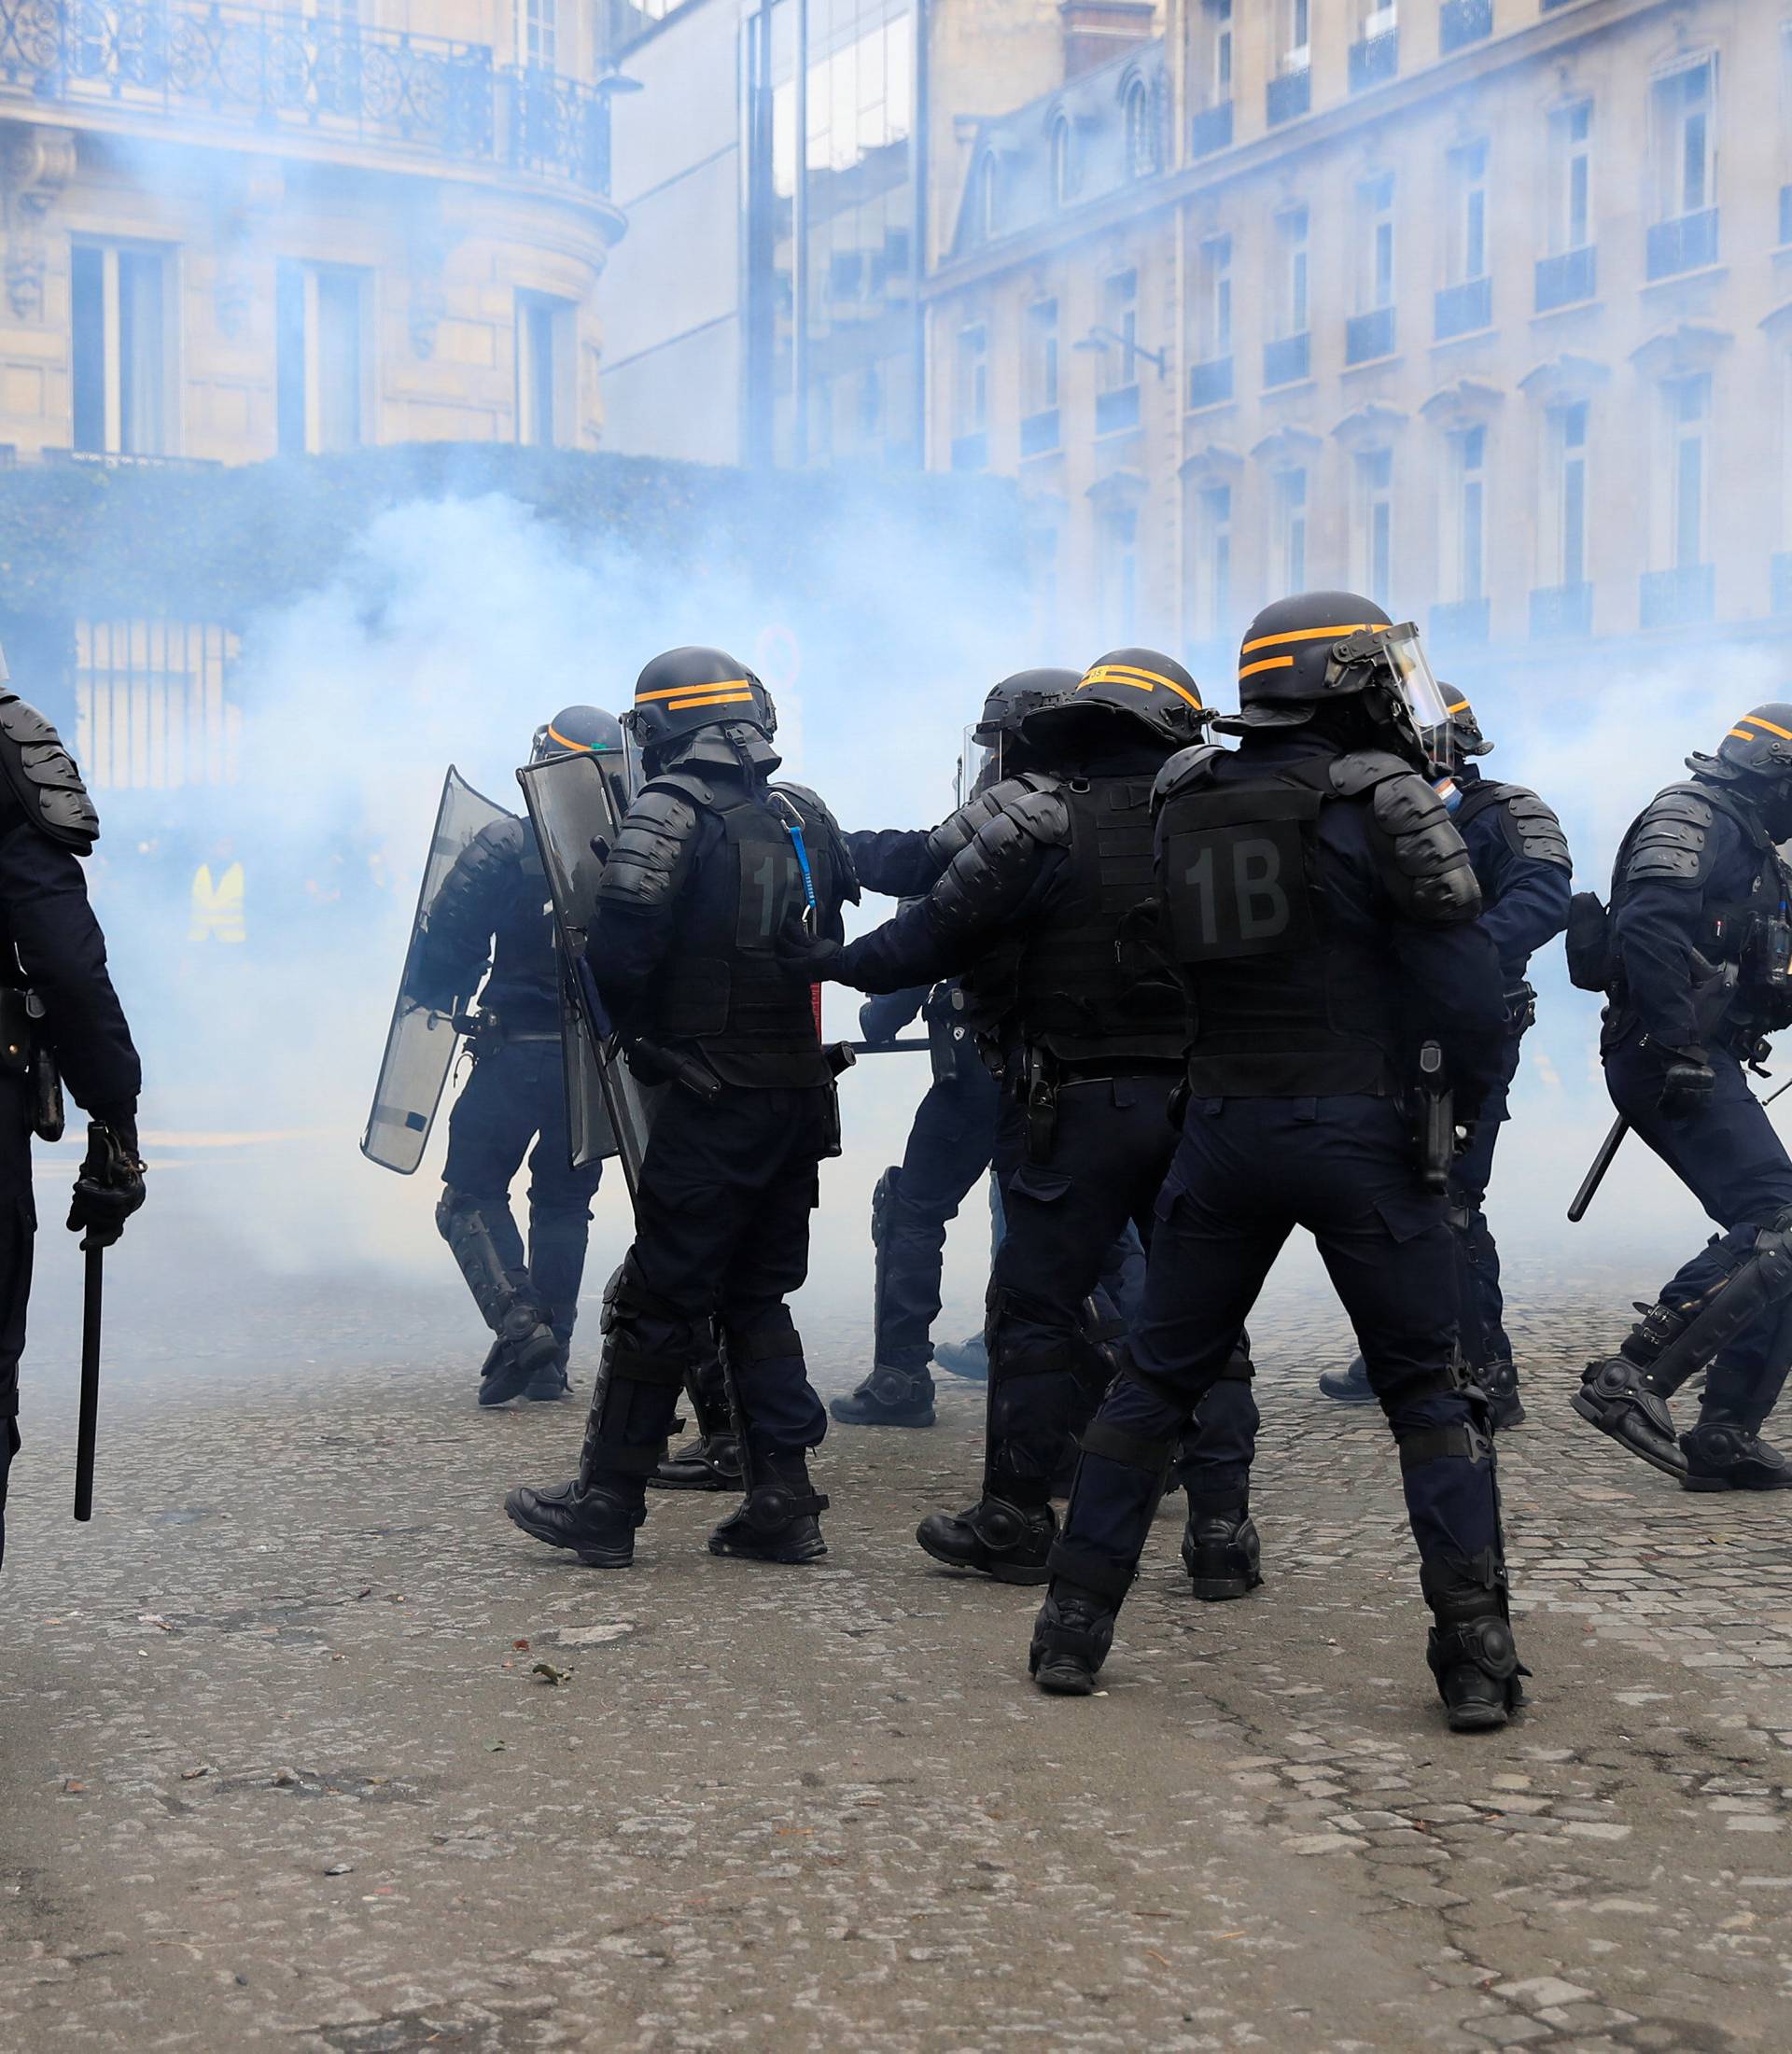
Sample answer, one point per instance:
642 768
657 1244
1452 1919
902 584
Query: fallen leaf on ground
192 1775
548 1673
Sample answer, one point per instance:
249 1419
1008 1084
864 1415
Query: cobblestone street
306 1747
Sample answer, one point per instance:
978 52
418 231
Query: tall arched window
1142 134
1063 163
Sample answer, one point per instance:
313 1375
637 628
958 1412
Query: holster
1437 1120
1038 1098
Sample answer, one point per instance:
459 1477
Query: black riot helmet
1465 736
701 706
1755 759
1126 690
993 748
576 729
1304 657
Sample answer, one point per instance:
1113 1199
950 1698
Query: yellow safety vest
218 907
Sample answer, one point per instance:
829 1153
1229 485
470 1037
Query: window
989 213
1119 534
1297 20
1375 221
1215 339
1467 180
972 399
1571 150
1469 466
537 29
1120 317
318 358
121 302
1290 529
1141 131
1039 374
1379 17
1375 523
1213 572
543 364
1688 411
1290 316
1684 143
1063 165
1569 429
1221 12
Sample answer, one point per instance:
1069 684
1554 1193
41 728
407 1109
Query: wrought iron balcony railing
278 72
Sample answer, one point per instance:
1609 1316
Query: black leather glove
808 954
110 1188
872 1029
1687 1085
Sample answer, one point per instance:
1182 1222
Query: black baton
89 1419
887 1048
1590 1185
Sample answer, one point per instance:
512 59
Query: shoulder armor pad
810 802
1187 769
689 784
961 828
1041 813
1424 861
1671 842
1362 771
816 814
1532 829
43 778
651 846
1005 849
504 839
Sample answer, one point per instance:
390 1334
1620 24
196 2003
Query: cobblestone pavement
286 1762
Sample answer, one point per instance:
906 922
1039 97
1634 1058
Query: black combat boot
1723 1455
595 1516
1471 1650
889 1397
1072 1638
1617 1396
1221 1552
777 1521
712 1461
526 1345
1008 1542
551 1381
1350 1387
1499 1381
969 1358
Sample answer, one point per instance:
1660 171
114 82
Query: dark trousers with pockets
1732 1160
1482 1301
516 1096
949 1148
1247 1173
18 1228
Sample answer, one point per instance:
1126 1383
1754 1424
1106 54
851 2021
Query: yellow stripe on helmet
1741 734
678 692
565 741
1310 634
1755 720
716 698
1460 706
1267 662
1142 681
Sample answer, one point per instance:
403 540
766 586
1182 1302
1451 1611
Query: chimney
1096 31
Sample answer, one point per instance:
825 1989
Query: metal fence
152 703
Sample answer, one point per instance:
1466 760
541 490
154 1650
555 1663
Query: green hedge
204 543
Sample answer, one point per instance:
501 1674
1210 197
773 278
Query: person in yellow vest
218 914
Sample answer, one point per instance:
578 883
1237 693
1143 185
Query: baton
90 1416
1608 1148
1779 1094
887 1048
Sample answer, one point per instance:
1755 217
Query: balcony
970 452
1781 572
1117 411
1367 336
1459 623
1678 598
1465 309
1462 22
1375 61
1287 361
1558 612
1688 243
1038 433
1565 280
1210 130
1288 97
264 73
1209 384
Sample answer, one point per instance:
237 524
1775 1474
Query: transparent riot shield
576 803
420 1041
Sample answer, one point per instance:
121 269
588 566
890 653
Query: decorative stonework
35 163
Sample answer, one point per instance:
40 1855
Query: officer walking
1524 869
710 861
493 911
1324 909
1092 1040
60 1016
1697 963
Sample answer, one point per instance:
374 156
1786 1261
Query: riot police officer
1524 869
62 1017
952 1136
1091 1040
493 910
1696 959
1324 911
710 860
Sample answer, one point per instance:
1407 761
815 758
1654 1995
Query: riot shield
576 801
420 1044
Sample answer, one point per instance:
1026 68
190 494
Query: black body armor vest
723 986
1082 992
1286 1003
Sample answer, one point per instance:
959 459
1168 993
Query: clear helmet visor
979 762
1427 698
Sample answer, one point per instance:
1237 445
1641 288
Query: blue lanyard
792 821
